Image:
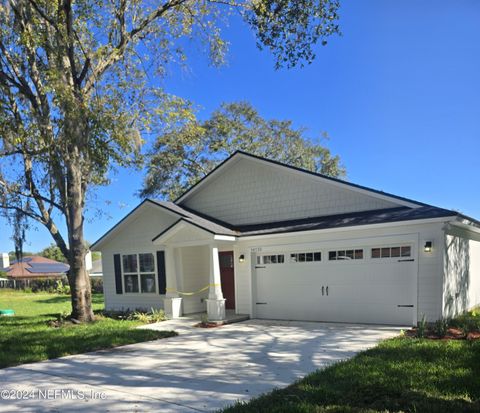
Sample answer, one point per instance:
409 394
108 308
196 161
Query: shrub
157 315
142 317
97 285
422 327
440 327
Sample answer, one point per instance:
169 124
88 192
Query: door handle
259 266
327 289
323 290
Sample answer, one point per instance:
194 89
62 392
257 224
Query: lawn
27 337
401 374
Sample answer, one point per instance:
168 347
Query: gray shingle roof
379 216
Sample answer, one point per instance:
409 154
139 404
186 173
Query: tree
53 252
77 95
184 154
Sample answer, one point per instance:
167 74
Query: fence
48 285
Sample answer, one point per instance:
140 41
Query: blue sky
398 93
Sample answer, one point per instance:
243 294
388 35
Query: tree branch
125 39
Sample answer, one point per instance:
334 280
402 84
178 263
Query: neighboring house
33 268
278 242
96 270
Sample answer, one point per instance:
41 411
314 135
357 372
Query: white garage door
374 284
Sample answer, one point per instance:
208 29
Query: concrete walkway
200 370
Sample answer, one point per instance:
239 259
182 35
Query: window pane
395 252
147 263
301 257
332 255
281 259
375 252
359 254
309 256
226 260
317 256
349 254
341 255
293 257
130 263
406 251
148 283
131 283
385 252
273 258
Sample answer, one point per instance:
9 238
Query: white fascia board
224 238
345 229
463 230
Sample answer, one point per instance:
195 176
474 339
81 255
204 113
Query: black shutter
162 276
117 265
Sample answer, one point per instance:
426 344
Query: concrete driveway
200 370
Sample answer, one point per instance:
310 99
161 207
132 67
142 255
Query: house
33 268
96 270
278 242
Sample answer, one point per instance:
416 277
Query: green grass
399 375
27 337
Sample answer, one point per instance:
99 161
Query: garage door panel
367 291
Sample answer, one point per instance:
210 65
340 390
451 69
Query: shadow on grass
399 375
63 299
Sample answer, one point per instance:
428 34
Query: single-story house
278 242
96 271
33 268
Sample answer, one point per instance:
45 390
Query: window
306 257
271 259
392 252
345 255
139 273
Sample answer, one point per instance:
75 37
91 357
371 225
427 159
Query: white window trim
138 274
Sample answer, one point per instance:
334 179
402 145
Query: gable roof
241 154
184 214
407 211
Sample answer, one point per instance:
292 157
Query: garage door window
306 257
392 252
271 259
345 255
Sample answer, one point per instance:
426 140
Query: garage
373 283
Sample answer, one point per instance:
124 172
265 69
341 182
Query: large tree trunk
79 279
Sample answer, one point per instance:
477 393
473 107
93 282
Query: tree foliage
186 152
53 252
77 95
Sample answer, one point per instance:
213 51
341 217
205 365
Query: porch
199 273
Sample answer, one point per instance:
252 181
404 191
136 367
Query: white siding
429 294
133 237
461 290
195 269
251 192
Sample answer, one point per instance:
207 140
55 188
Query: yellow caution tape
201 290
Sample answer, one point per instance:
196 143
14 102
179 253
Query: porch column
215 301
172 302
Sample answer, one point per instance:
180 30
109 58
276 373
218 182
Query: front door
228 278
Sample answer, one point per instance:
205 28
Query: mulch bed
452 334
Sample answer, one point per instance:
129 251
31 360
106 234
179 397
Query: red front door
228 278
